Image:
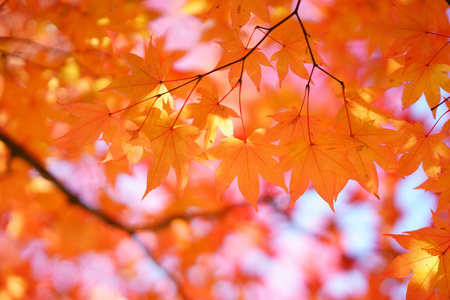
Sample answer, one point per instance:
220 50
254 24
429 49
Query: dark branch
163 223
443 101
19 151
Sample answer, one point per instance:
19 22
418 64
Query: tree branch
19 151
163 223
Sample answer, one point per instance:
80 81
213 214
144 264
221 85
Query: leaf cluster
302 96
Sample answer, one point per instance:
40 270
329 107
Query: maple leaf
322 162
429 261
240 10
367 142
128 141
251 59
412 33
209 115
84 20
147 76
420 147
173 146
293 53
358 104
63 51
419 78
246 160
439 185
291 127
95 119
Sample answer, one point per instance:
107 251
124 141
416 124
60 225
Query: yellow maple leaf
420 147
429 261
209 114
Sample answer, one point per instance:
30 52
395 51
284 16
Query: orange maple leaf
173 146
291 127
147 76
210 115
412 32
419 78
246 160
322 162
129 142
240 10
429 261
420 147
439 185
367 142
251 61
294 51
95 119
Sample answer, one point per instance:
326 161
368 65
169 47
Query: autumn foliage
186 149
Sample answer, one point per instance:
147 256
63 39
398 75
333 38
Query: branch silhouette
20 151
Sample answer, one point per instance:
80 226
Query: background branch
20 151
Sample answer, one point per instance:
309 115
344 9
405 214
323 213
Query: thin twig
442 102
163 223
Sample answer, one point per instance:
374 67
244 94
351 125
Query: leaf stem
434 56
240 109
185 101
448 110
229 92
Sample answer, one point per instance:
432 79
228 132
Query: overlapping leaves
297 143
429 261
